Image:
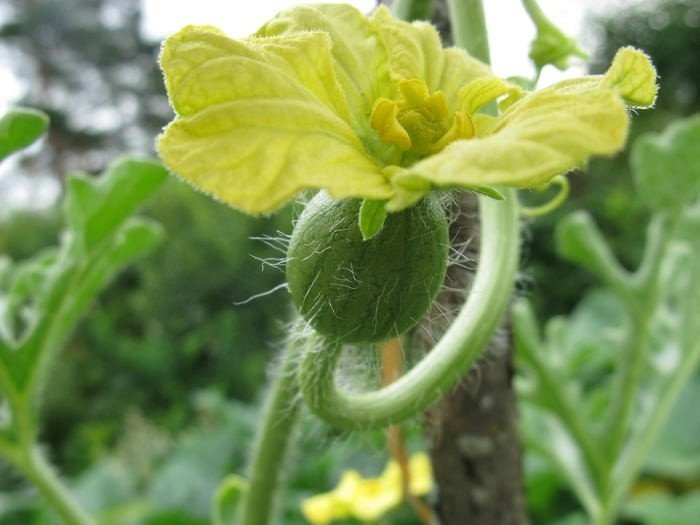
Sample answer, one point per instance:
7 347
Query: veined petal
543 135
633 76
256 154
308 57
459 69
189 48
414 49
202 67
360 61
481 91
415 52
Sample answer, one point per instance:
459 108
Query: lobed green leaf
666 166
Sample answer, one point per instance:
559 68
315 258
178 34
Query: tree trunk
473 431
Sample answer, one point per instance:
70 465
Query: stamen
419 122
462 128
384 120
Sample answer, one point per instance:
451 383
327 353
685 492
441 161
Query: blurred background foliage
155 398
669 31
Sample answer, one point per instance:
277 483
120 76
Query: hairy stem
272 441
35 467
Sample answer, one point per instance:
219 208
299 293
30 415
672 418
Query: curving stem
451 357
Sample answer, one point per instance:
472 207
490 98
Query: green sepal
371 218
488 191
19 128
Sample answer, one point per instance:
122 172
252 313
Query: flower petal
633 76
261 119
323 509
202 67
359 59
481 91
459 69
415 51
542 135
421 474
255 154
374 497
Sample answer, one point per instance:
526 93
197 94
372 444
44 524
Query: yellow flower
375 108
368 499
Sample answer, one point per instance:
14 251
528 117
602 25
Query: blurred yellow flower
368 499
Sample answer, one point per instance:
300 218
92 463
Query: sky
510 29
510 33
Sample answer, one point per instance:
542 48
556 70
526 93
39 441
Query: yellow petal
480 92
255 154
360 60
203 67
307 57
323 509
347 486
633 76
421 474
261 119
543 135
459 69
374 498
415 51
187 50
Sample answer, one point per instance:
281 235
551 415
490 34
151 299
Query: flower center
419 122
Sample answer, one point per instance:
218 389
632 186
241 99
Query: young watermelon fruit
361 291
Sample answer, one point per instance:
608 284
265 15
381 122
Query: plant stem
642 311
536 14
637 448
411 10
469 27
272 440
35 467
528 343
629 464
